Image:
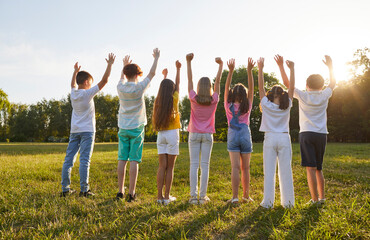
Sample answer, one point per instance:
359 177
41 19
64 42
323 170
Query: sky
41 40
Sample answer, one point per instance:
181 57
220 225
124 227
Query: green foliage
30 206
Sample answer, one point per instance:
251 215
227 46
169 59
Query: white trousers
277 146
200 146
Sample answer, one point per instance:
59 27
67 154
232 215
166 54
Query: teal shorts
130 145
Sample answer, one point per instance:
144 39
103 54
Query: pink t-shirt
242 118
202 118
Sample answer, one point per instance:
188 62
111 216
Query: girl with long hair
201 128
275 107
166 120
238 103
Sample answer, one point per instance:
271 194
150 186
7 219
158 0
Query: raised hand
165 72
156 53
279 60
231 64
77 68
127 60
189 57
219 60
290 64
328 62
260 63
111 58
251 64
178 64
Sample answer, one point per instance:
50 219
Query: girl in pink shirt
201 129
238 104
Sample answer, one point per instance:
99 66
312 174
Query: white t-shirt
83 113
312 109
132 112
273 118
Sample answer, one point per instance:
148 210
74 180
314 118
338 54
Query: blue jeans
83 141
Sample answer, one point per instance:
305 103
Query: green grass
30 206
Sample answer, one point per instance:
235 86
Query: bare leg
235 169
134 168
121 170
245 165
161 173
169 174
311 180
320 183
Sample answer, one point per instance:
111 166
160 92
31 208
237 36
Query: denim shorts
239 140
130 145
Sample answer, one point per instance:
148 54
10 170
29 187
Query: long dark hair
239 94
279 92
163 105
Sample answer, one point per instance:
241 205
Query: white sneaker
169 200
204 200
160 201
193 200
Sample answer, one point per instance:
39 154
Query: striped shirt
132 112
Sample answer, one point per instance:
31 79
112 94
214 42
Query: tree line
49 120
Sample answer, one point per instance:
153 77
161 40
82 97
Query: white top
312 109
132 112
83 113
273 118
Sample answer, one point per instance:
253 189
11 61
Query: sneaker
131 198
66 193
193 200
169 200
87 194
119 196
160 201
312 202
233 201
321 201
204 200
247 200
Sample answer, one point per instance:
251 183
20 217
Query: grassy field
30 206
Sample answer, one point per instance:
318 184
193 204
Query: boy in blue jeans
82 126
312 123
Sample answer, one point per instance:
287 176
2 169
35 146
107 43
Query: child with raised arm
312 122
166 120
82 135
238 105
275 107
131 122
201 128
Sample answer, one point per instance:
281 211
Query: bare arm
178 66
126 61
280 62
189 57
110 61
74 81
328 62
151 74
231 65
250 80
216 87
290 65
261 81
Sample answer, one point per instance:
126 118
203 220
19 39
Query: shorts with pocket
168 142
312 147
239 140
130 144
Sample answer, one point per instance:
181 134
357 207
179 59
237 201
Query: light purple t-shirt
202 118
244 118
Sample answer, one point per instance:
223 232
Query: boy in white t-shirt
313 131
82 126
